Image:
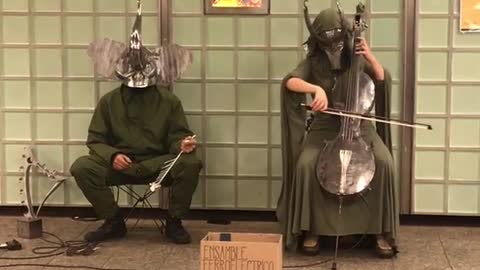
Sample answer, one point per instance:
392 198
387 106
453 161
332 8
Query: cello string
349 100
351 86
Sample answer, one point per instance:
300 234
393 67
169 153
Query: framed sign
469 16
235 7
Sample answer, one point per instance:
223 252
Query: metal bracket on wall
408 106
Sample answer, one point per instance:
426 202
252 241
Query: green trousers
94 176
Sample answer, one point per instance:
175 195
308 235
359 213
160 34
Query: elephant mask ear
172 61
105 55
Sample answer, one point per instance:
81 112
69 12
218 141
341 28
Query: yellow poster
470 15
236 3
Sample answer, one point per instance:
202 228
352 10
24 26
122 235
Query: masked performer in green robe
134 130
305 210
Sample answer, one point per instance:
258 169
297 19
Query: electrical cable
308 265
59 266
58 247
85 219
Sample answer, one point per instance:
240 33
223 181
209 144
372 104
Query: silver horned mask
135 65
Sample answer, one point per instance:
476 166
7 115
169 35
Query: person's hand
362 48
320 101
121 162
188 144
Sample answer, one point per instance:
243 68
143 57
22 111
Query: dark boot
310 245
110 229
383 248
175 231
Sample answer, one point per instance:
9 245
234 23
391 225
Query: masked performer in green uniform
305 210
134 130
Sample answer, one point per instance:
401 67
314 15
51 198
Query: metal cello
347 164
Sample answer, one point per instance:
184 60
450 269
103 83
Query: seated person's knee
385 163
79 166
306 162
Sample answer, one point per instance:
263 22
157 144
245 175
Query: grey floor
421 247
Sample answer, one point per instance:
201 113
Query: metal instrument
167 166
346 165
30 226
53 175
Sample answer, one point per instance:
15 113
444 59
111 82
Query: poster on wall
469 15
233 7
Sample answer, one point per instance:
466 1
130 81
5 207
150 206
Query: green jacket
141 123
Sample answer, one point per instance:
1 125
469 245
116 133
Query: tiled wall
231 93
447 160
47 88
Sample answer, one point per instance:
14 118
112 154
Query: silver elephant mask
135 65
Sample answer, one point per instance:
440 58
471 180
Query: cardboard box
241 251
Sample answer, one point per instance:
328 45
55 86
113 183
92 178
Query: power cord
85 219
308 265
58 247
76 247
58 266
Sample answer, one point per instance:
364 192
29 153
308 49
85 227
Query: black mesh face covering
327 35
332 42
331 37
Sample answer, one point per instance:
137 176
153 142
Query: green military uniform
303 205
148 125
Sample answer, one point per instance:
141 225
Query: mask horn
308 22
137 26
343 22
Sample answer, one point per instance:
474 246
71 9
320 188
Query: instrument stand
29 227
340 202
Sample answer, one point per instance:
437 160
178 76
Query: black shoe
175 231
383 248
110 229
310 245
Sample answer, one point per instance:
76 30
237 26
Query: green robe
303 205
